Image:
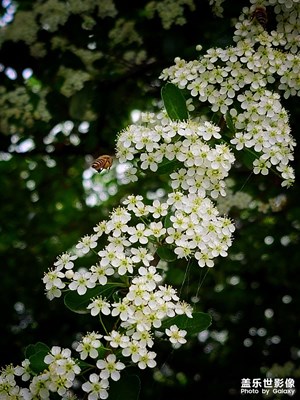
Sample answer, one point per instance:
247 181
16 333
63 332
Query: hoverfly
260 14
102 162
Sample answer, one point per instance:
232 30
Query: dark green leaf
175 275
165 253
167 220
167 166
82 364
248 158
229 122
215 118
78 304
37 363
128 387
174 102
35 348
193 326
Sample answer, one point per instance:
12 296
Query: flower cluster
73 80
287 19
192 228
238 82
170 11
9 389
16 107
52 14
199 168
58 377
189 226
217 7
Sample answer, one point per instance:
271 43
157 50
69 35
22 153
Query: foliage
71 76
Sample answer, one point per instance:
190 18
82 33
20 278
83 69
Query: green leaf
83 364
175 275
165 253
215 118
193 326
128 387
36 354
174 102
167 221
78 303
37 363
229 122
168 166
31 349
248 158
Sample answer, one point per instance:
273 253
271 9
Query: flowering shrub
126 289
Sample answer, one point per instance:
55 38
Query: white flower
122 308
116 339
144 338
167 293
146 359
110 256
65 260
150 160
173 235
23 370
110 367
139 233
151 277
53 279
98 305
204 259
184 308
119 242
133 202
132 349
57 353
184 250
86 243
118 222
82 281
101 272
39 386
52 293
89 345
158 209
100 228
239 140
176 336
141 255
208 130
157 229
96 387
175 198
130 174
261 167
138 294
125 265
148 140
179 179
67 368
53 283
117 227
